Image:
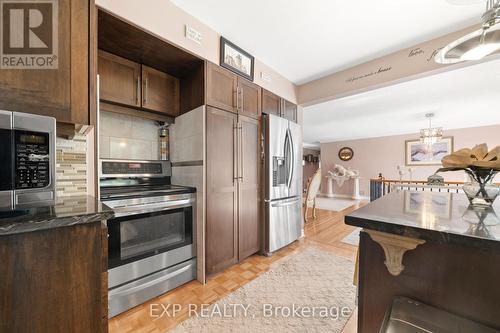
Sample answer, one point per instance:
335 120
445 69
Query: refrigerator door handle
290 157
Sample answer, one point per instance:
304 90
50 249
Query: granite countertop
434 216
66 212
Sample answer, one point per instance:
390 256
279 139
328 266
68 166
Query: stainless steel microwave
27 160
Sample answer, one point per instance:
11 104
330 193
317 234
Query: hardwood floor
326 232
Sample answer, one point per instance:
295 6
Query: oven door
136 237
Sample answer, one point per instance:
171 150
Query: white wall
384 154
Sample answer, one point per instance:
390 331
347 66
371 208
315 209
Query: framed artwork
418 153
346 154
235 59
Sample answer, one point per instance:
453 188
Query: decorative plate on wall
346 154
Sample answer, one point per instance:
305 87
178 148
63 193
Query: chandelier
431 135
477 44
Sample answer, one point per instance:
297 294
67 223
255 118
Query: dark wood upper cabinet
249 189
160 91
289 111
62 93
271 103
129 83
249 98
221 88
119 80
222 195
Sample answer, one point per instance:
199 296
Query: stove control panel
110 168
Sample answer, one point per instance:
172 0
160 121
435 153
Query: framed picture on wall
418 153
235 59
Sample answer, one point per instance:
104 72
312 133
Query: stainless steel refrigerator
283 182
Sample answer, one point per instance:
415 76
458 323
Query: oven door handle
148 284
153 207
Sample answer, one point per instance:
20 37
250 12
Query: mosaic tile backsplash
71 169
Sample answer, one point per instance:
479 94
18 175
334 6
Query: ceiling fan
477 44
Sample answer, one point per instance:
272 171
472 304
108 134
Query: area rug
352 238
311 291
334 204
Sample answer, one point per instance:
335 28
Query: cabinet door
62 93
249 99
271 103
221 88
248 189
119 80
35 276
289 111
222 195
160 91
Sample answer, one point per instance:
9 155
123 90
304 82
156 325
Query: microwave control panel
32 158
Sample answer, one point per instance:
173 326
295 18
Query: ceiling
461 98
306 40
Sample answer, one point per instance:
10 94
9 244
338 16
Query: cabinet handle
145 92
241 94
235 153
241 151
236 96
138 91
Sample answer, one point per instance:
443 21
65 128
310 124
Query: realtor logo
28 34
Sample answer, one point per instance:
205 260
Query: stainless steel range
150 240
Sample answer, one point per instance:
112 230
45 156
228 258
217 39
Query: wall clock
346 154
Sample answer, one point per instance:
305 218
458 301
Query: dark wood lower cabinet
456 278
51 281
232 224
222 194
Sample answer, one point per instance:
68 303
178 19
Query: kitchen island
430 247
53 275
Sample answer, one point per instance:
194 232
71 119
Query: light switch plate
193 34
265 77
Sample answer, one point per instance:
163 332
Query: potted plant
481 165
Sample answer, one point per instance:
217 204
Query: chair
312 192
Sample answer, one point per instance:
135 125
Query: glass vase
481 194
